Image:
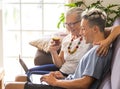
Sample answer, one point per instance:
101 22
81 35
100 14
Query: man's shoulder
93 49
91 54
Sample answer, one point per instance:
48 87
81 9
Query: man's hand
49 78
103 48
59 75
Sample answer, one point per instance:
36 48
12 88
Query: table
2 73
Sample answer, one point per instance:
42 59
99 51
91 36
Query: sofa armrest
42 58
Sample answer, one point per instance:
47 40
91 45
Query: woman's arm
108 31
58 59
105 44
114 34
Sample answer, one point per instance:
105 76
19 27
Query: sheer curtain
24 21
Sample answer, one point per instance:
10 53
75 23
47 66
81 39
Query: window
24 21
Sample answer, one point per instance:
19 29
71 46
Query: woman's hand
53 46
103 48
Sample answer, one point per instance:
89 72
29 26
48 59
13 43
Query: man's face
72 24
87 31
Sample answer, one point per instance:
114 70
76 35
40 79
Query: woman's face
72 25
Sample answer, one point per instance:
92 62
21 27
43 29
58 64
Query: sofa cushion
116 22
106 83
42 58
115 73
112 79
41 44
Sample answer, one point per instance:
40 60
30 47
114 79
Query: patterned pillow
41 44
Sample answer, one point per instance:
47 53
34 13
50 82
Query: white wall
1 39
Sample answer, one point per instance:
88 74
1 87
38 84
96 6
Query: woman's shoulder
67 38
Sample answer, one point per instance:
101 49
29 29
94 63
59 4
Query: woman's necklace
76 47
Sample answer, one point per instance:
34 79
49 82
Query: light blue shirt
92 65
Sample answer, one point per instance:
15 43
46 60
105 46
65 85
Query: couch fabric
42 58
112 79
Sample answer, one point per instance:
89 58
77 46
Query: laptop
34 78
25 68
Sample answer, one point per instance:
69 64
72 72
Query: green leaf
112 11
61 20
71 5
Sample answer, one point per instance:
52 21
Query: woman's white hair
75 10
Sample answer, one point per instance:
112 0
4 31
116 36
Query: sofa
111 80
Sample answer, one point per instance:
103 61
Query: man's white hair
95 13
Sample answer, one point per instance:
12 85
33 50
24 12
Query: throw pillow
41 44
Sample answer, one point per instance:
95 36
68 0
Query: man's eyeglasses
71 24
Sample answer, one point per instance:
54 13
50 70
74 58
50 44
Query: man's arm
80 83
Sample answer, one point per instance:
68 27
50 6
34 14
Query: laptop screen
23 64
35 78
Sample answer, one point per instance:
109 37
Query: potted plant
112 11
